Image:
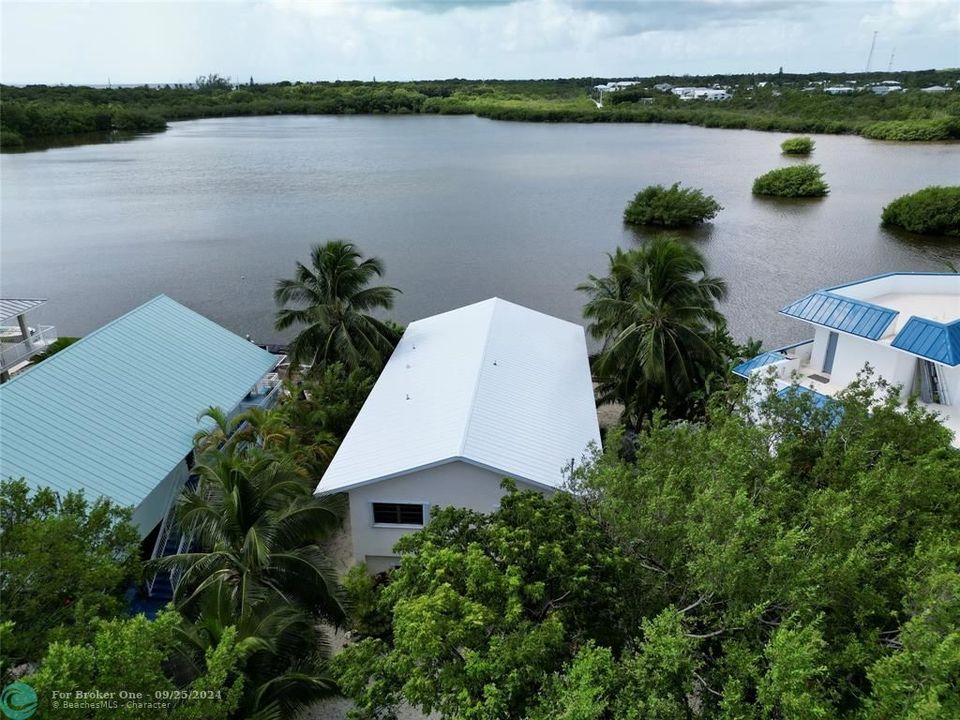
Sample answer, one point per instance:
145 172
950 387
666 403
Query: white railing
14 353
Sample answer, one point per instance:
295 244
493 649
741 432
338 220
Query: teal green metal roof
114 413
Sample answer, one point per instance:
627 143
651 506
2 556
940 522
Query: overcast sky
136 41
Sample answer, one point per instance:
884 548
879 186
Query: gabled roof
929 339
11 307
493 384
115 412
846 314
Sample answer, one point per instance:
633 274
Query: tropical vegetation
792 182
719 559
257 594
138 656
56 346
257 569
670 207
784 102
802 145
921 130
663 342
798 564
333 300
65 561
932 211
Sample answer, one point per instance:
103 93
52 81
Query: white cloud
143 41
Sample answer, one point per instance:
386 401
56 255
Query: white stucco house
469 397
906 326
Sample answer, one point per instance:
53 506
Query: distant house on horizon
469 397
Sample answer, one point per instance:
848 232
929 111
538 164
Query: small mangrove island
802 145
671 207
932 211
792 182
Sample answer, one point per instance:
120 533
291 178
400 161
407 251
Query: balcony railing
12 354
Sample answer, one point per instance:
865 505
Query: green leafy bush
65 562
932 211
798 181
802 145
10 139
913 130
670 207
143 656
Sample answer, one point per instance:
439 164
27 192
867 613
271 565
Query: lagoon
461 208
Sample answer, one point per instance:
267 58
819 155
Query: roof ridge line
476 386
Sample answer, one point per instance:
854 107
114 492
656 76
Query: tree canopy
333 301
663 340
799 563
65 562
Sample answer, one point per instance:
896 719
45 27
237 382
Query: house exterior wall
151 511
455 483
819 351
894 366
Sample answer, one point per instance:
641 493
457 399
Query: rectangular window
397 514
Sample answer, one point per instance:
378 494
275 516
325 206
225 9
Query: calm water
213 211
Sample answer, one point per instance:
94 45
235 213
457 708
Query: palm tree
258 524
332 299
655 315
284 653
258 567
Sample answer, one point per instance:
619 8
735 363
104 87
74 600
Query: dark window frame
393 514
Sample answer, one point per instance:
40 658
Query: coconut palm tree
258 566
655 315
257 525
333 299
284 651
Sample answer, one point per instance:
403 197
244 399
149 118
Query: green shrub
10 139
802 145
932 211
670 207
913 130
798 181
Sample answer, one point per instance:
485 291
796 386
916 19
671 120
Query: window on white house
397 514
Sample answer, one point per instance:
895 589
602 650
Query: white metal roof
493 384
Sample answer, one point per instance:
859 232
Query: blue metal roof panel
114 413
745 368
929 339
819 399
849 315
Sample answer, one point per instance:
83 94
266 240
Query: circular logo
18 701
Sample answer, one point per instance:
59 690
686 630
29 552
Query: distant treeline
36 112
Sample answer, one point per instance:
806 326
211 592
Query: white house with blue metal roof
469 397
906 326
115 413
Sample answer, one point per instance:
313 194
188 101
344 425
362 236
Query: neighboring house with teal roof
906 326
115 413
